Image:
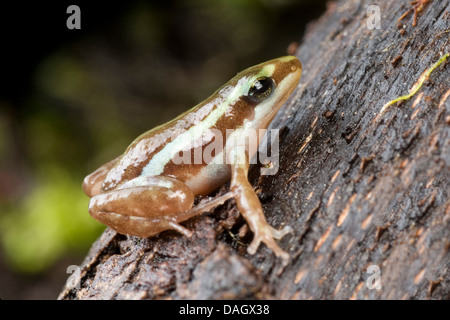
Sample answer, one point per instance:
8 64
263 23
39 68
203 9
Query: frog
148 190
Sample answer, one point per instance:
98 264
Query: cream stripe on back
163 157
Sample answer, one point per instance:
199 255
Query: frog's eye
261 89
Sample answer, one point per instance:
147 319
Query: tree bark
366 192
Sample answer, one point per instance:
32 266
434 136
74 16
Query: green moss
50 221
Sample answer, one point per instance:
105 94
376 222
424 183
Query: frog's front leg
250 207
148 205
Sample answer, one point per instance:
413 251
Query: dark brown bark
358 189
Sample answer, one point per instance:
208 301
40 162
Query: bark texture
360 188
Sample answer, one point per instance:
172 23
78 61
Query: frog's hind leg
144 227
92 184
146 206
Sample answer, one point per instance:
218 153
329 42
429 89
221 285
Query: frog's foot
279 234
178 227
267 234
170 222
205 206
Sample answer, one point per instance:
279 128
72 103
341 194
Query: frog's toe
178 227
267 237
279 234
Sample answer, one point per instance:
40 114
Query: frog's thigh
144 206
92 184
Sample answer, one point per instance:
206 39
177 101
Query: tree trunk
366 189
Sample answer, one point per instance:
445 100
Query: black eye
261 89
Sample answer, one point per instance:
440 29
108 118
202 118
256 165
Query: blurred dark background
71 100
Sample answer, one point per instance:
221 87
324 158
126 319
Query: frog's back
152 153
250 100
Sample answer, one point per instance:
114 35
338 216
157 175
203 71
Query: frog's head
271 86
263 89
